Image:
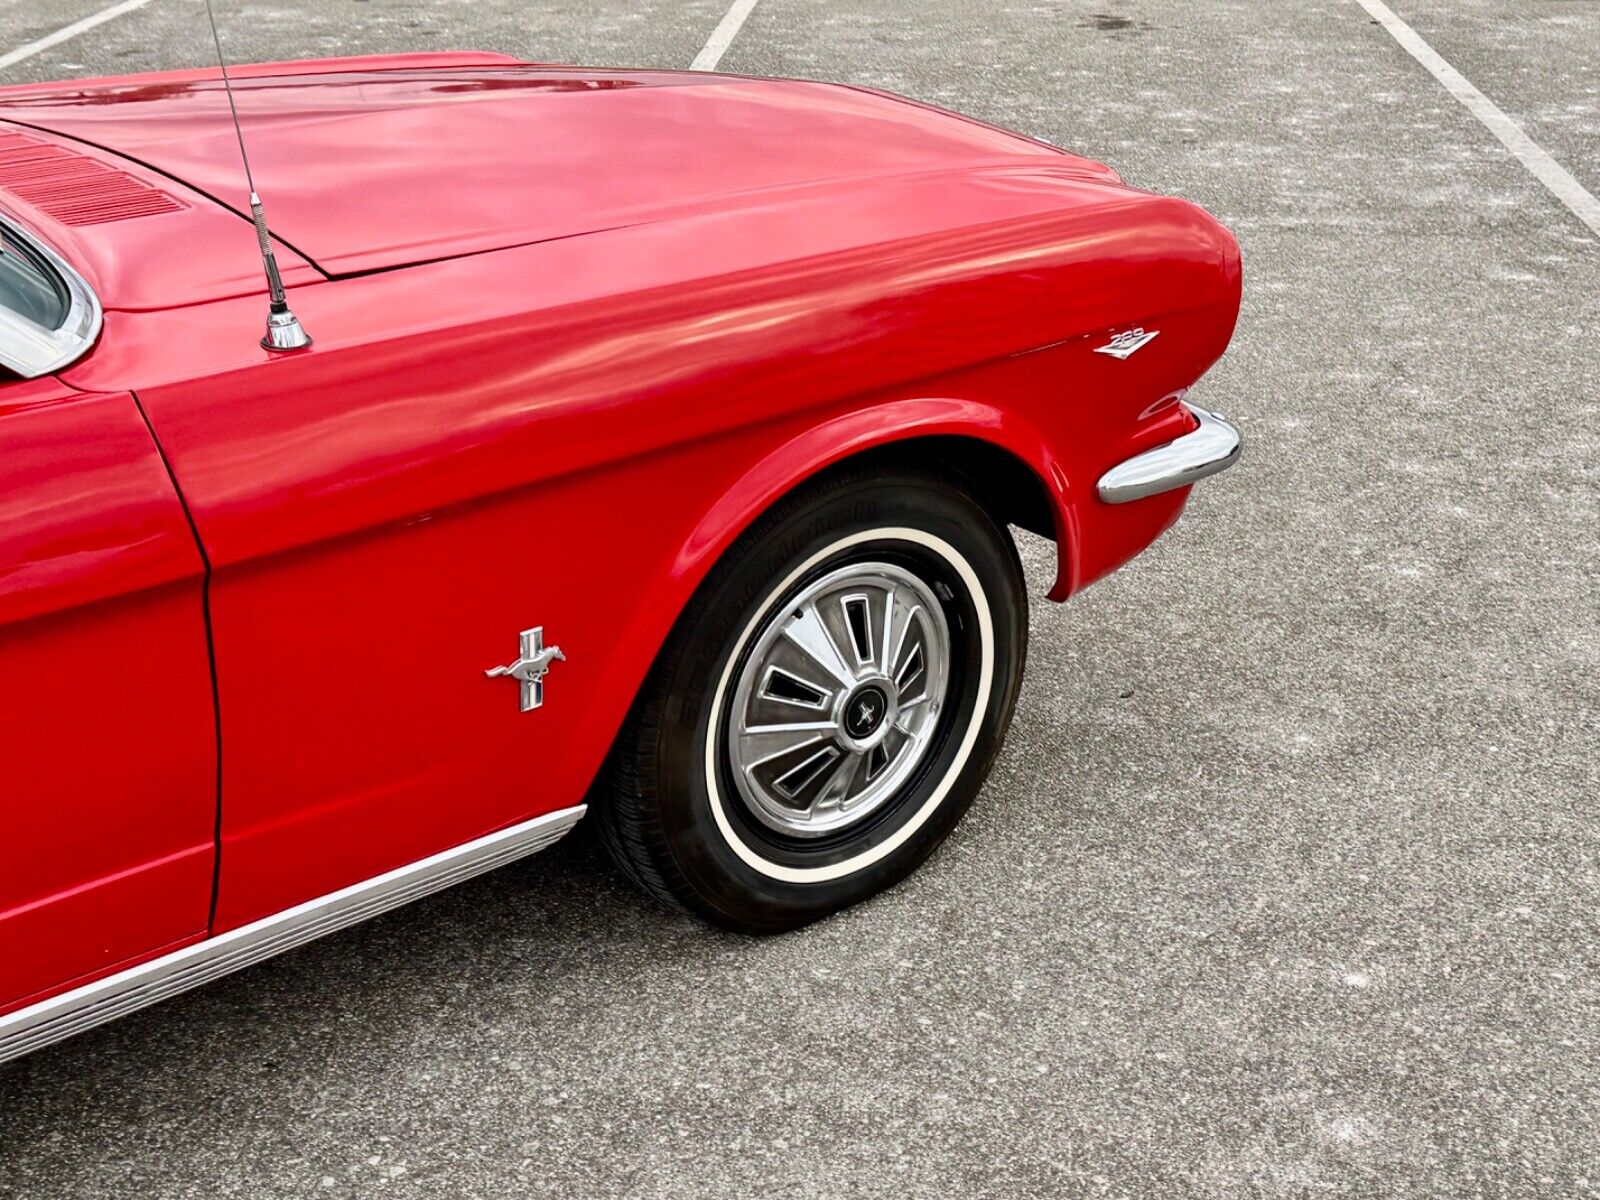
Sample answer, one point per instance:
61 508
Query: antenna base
284 332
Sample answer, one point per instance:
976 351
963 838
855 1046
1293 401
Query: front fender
846 435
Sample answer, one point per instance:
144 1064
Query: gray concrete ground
1287 881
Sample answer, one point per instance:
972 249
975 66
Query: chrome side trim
117 995
1213 447
31 350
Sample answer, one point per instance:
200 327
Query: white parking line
722 36
12 57
1544 168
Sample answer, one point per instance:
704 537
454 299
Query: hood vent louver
72 188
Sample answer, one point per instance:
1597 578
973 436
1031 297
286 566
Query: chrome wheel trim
838 699
968 738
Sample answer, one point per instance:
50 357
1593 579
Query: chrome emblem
531 666
1126 342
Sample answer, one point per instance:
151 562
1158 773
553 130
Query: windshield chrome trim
31 350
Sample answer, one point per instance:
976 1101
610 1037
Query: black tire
669 809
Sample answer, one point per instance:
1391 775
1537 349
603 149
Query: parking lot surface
1286 883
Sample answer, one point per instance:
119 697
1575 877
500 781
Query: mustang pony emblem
1126 342
530 668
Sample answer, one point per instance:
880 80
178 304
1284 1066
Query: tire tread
629 820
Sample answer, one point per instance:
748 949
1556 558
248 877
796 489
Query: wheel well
1007 485
1004 483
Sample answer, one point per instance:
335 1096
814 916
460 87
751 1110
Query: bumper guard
1204 451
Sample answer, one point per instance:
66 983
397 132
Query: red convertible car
640 443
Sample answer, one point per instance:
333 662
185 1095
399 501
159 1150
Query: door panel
107 729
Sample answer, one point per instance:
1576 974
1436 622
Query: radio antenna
284 331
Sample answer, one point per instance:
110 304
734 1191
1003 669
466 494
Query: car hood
372 167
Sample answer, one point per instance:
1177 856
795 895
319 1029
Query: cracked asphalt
1286 883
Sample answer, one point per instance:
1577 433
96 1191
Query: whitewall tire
827 706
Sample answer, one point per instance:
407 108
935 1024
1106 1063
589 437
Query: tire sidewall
701 836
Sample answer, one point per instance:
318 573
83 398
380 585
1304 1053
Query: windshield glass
28 287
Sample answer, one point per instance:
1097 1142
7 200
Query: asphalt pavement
1286 883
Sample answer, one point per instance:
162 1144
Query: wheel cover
838 700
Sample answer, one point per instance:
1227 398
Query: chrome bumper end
1211 448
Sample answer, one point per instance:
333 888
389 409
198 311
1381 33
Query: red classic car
637 442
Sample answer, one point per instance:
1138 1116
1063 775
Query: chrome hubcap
838 699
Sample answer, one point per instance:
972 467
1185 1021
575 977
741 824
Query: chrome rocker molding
1211 448
117 995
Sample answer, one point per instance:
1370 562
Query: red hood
372 164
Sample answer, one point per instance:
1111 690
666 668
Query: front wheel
827 706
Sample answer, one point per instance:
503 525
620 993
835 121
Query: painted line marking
722 36
1529 153
11 58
